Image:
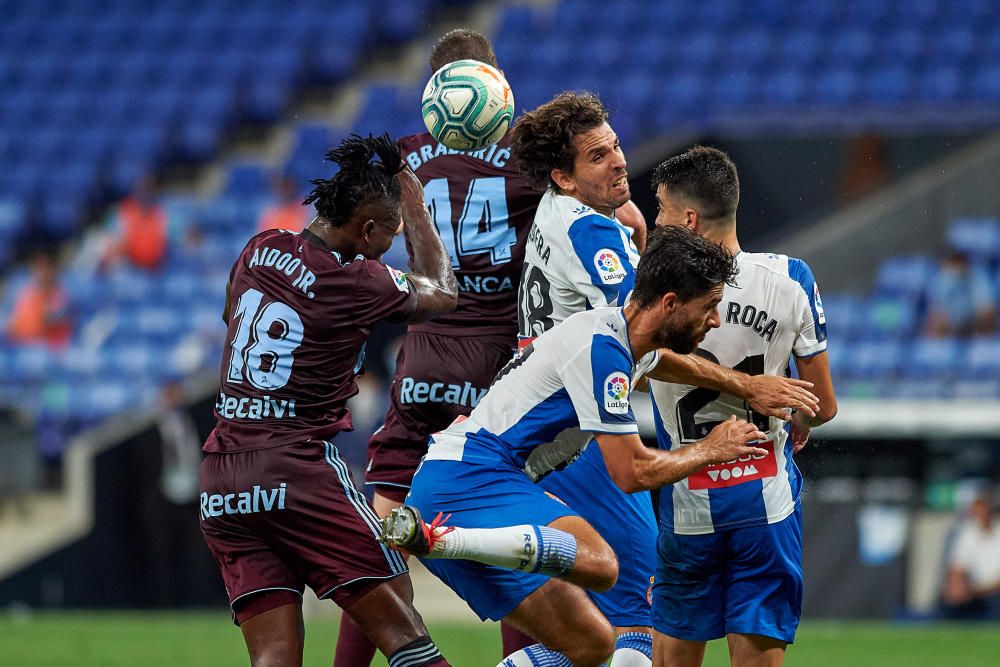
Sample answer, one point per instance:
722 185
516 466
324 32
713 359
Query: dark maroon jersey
483 209
299 316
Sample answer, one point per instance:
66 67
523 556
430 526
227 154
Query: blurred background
143 143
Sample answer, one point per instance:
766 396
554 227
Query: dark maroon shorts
280 519
438 378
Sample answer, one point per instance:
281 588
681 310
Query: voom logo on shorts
609 266
616 393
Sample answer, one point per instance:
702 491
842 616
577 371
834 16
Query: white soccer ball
467 105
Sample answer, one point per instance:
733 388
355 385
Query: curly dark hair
678 260
462 44
542 140
704 175
359 180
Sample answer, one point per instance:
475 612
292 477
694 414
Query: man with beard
513 551
730 541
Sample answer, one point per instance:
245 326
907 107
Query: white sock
536 656
526 548
633 649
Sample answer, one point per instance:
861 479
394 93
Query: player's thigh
482 496
322 526
627 524
438 378
257 579
563 618
688 591
764 580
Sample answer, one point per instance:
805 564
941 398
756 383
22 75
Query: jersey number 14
483 225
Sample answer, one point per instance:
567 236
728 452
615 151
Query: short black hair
542 140
462 44
678 260
704 175
359 180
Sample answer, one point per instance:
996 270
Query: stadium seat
979 238
908 275
880 359
890 317
932 358
982 359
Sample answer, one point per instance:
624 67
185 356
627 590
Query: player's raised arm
634 467
769 395
432 277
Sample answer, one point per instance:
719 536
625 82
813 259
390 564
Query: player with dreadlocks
279 510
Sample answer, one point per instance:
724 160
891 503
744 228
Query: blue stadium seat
784 88
907 275
986 84
891 317
888 85
835 87
928 389
979 238
247 179
982 359
941 84
874 359
975 390
932 358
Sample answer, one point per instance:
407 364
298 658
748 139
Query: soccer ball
467 105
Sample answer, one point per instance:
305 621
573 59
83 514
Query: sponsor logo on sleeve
820 313
399 278
616 388
609 266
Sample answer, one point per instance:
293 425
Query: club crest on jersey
616 393
609 266
399 278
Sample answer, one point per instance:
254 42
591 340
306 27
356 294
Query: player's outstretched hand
773 396
730 440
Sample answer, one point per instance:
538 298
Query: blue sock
556 552
640 642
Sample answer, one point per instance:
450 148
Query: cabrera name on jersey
578 375
576 259
773 312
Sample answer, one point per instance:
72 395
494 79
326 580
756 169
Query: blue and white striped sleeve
811 338
598 381
602 250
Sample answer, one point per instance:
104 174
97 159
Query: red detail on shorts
744 469
525 342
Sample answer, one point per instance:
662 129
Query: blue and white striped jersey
576 376
775 311
576 259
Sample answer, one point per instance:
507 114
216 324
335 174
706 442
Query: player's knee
605 570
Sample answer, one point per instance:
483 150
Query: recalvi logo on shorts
246 502
731 473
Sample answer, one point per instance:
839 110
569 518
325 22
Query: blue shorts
625 521
744 581
479 496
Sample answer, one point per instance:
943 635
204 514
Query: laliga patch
616 388
731 473
820 313
609 266
399 278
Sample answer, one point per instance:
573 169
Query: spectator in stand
960 300
140 229
287 211
41 311
972 584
